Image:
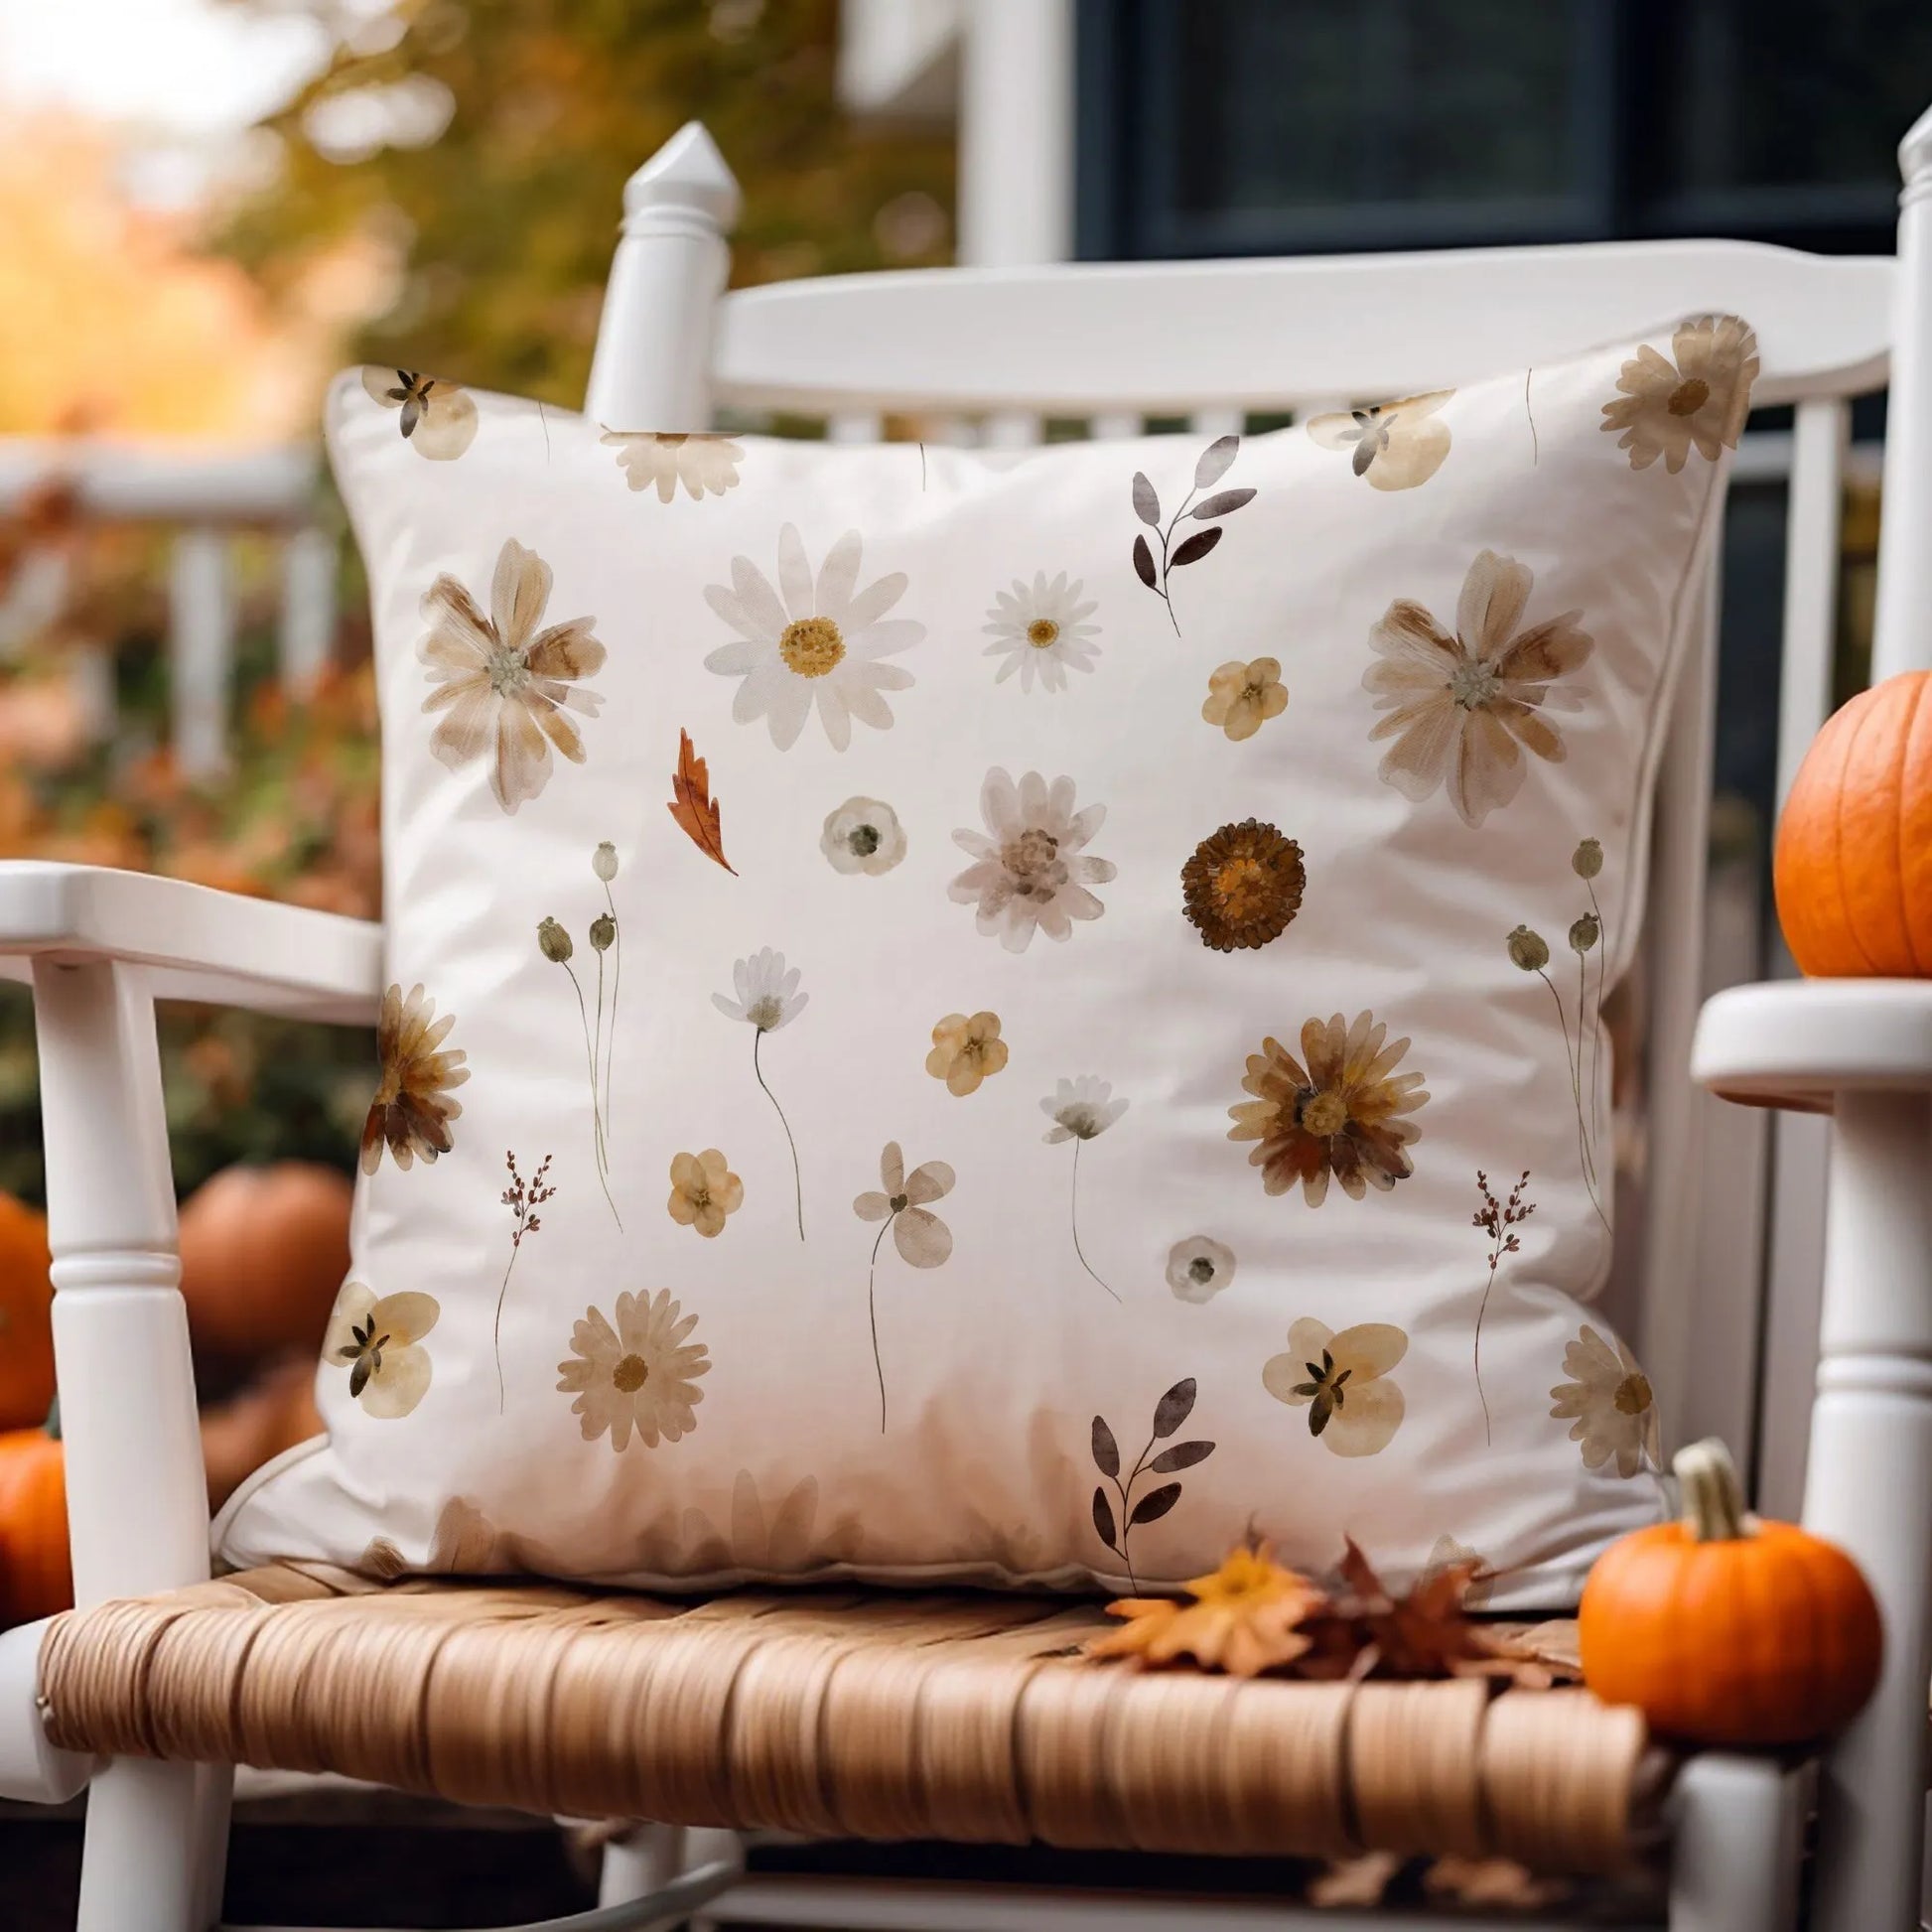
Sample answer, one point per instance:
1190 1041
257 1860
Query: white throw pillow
978 1014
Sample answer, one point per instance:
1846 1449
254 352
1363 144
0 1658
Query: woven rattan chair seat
838 1715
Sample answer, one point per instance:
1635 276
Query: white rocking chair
97 1698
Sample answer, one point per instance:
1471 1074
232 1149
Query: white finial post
652 367
1902 631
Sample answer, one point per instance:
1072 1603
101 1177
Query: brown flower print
438 419
704 1191
923 1239
1608 1404
412 1109
1243 886
1395 444
1030 866
701 461
379 1342
640 1372
1346 1114
1697 402
966 1051
1463 709
1241 698
1342 1380
503 687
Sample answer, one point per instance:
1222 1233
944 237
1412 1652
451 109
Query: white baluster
651 369
307 608
201 644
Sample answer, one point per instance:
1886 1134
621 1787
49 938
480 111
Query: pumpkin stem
1714 1497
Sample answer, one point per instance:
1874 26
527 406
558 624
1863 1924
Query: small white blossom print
1042 631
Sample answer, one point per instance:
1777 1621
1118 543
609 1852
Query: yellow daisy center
631 1374
1240 883
811 647
1041 633
1632 1395
1325 1114
1689 396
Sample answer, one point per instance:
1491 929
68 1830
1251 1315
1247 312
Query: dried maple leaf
1244 1618
692 806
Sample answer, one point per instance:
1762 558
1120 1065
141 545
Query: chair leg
649 1856
1736 1837
153 1853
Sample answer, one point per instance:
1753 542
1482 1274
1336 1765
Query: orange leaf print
692 806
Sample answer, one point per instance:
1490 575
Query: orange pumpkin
1727 1630
26 1326
274 1413
36 1579
1854 862
263 1252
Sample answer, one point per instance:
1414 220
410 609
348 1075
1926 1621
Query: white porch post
1016 133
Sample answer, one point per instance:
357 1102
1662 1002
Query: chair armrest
1797 1043
195 943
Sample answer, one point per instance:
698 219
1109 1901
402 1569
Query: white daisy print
1029 866
700 462
812 640
1041 632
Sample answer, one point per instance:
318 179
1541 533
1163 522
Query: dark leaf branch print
1116 1528
1213 465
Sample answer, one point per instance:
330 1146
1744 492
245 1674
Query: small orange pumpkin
273 1413
1853 867
26 1309
1727 1630
263 1252
36 1579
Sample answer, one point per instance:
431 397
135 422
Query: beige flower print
812 640
1030 869
1697 398
1241 698
863 835
413 1108
704 1191
701 461
923 1239
1200 1267
1342 1382
640 1372
503 688
1463 709
1042 631
379 1342
966 1049
1395 444
1608 1404
778 1537
1345 1113
438 420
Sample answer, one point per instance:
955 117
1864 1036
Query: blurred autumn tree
480 149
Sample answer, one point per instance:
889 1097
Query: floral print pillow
953 1013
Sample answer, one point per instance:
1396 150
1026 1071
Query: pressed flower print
812 640
1499 1220
379 1342
1243 886
1344 1114
700 462
640 1372
1081 1111
412 1109
556 945
504 688
1608 1404
923 1239
1395 444
523 1196
1042 631
966 1051
1342 1381
438 419
1031 868
862 836
768 999
1241 698
1463 709
704 1191
1697 398
1200 1267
